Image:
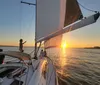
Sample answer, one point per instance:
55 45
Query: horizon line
57 47
13 46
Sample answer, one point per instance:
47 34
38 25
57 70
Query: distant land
95 47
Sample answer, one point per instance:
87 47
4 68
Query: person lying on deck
21 45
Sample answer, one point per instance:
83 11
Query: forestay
53 15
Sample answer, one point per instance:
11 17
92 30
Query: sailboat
53 18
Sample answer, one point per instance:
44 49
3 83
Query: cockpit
13 69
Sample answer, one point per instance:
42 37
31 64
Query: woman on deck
21 45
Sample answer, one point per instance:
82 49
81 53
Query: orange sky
11 27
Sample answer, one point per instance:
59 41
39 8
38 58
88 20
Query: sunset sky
18 21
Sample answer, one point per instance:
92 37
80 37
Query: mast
35 52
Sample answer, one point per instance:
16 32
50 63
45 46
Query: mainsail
53 15
73 12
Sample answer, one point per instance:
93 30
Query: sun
64 45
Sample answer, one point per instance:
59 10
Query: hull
32 72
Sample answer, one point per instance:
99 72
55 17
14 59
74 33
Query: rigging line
87 8
31 18
30 24
32 52
20 21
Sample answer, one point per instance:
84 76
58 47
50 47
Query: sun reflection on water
62 59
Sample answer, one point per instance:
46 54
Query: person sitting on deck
41 54
45 53
21 45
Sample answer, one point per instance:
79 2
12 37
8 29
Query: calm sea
74 66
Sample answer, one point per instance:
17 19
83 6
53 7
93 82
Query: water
74 66
78 66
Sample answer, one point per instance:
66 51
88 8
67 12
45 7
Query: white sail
49 17
53 15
